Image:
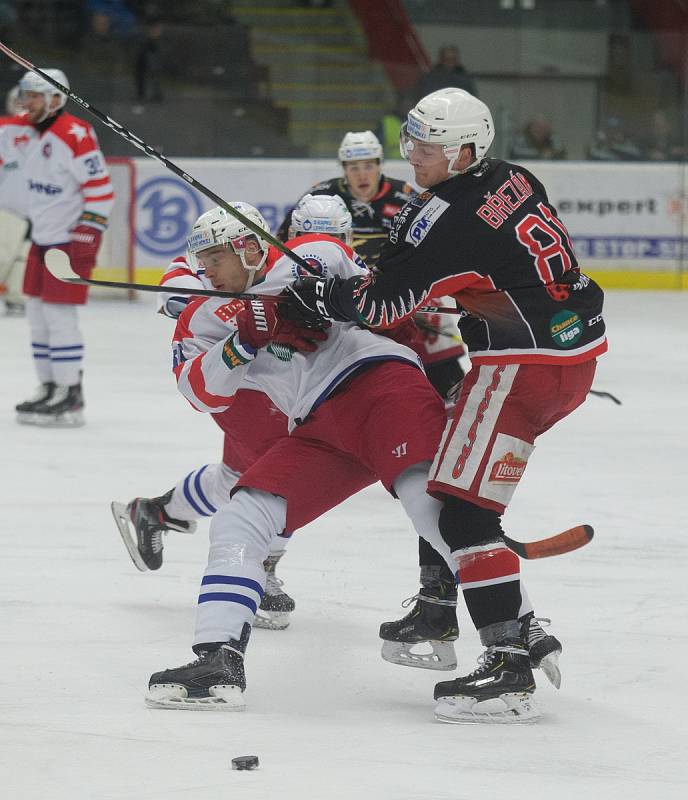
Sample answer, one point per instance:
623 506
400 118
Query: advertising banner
624 217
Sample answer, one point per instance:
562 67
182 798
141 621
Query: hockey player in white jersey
143 521
70 198
359 409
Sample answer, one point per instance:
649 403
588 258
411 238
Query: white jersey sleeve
211 364
179 274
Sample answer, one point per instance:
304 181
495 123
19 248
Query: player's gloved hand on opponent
324 298
259 324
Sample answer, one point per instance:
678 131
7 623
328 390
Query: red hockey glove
258 324
85 242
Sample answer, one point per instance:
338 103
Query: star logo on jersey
78 131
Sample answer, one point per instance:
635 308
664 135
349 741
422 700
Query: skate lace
486 659
535 632
273 585
428 599
156 541
40 394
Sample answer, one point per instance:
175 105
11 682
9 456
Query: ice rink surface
81 630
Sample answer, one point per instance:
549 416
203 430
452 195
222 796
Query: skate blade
72 419
172 695
121 515
550 666
26 419
272 620
441 655
516 708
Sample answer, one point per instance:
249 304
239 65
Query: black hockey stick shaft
556 545
153 153
146 287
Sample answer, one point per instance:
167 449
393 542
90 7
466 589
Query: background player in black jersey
485 233
372 198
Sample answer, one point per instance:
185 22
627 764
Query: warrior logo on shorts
508 469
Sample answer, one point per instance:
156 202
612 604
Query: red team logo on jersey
509 469
229 310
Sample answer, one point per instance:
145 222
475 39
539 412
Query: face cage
238 247
47 98
450 151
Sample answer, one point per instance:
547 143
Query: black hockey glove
313 298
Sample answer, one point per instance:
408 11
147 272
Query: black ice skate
63 409
544 648
25 410
423 638
14 308
141 524
499 691
215 681
276 606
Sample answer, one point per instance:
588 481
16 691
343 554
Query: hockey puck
245 762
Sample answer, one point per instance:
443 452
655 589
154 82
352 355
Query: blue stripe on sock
197 485
68 347
36 346
60 359
248 583
190 500
229 597
39 356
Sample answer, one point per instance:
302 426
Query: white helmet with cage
450 117
218 227
33 82
360 146
322 213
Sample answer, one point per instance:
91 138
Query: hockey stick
556 545
59 266
150 151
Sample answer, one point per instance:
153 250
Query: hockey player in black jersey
372 198
485 233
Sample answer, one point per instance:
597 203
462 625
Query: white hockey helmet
322 213
33 82
218 227
450 117
360 146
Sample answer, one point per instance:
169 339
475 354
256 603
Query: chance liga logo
565 328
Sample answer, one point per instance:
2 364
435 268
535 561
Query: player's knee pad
243 529
464 524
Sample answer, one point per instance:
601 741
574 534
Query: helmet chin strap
252 270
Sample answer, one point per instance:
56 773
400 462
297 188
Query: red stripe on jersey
541 358
487 565
95 182
99 198
197 383
180 272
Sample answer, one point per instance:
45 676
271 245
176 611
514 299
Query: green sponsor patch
565 328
